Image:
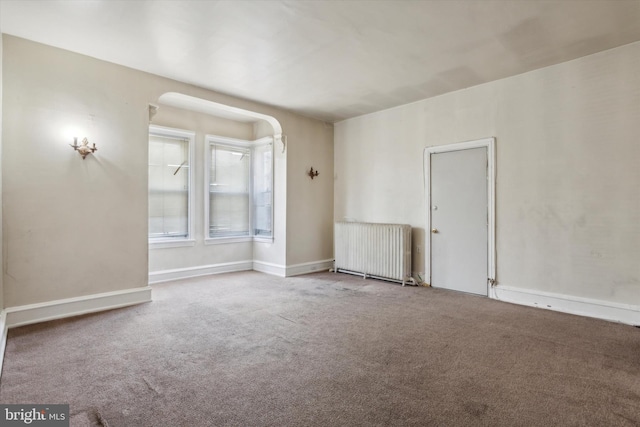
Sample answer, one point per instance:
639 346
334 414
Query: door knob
434 230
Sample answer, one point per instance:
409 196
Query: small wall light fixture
313 173
83 148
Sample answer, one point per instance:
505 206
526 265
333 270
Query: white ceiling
330 60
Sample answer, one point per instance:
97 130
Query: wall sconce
83 148
313 173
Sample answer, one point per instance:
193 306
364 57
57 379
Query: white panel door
459 248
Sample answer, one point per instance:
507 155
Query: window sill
223 240
163 244
259 239
238 239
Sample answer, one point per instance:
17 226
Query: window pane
168 187
262 189
229 215
229 187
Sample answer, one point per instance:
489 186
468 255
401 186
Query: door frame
489 144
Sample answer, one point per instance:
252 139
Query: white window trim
264 239
159 242
223 140
175 243
223 240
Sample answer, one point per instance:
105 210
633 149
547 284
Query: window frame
210 140
267 140
173 242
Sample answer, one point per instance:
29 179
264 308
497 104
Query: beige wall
309 201
76 227
72 227
568 193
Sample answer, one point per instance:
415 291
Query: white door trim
489 144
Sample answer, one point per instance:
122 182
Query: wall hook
313 173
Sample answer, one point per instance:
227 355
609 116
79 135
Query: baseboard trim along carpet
309 267
270 268
617 312
201 270
230 267
58 309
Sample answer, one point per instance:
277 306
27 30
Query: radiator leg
409 279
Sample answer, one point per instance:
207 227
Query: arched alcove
204 255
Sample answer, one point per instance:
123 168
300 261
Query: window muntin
169 184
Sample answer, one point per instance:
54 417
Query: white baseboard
201 270
616 312
3 337
308 267
58 309
261 266
270 268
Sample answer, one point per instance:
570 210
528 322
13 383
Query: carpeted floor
248 349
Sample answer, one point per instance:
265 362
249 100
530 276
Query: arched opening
218 132
192 103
